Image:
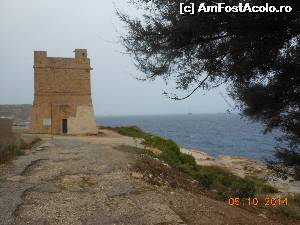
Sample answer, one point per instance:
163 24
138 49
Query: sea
217 134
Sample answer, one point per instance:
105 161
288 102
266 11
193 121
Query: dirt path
85 180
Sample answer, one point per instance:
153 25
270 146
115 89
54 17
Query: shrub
156 173
131 131
170 157
262 186
206 181
187 159
226 184
161 143
190 170
243 188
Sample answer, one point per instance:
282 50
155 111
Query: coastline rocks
242 167
238 165
285 186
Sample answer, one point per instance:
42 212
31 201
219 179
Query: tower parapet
81 56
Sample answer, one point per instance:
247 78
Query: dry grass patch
157 173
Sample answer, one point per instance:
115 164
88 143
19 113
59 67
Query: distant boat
190 113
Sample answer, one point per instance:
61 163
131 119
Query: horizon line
165 114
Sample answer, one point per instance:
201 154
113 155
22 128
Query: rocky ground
242 167
88 180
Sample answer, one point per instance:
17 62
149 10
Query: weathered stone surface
7 137
5 129
62 92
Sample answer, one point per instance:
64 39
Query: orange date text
255 201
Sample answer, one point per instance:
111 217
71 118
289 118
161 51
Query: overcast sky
60 26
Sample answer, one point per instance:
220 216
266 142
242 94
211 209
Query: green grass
209 177
9 152
132 131
262 186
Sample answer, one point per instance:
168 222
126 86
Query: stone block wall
62 91
7 137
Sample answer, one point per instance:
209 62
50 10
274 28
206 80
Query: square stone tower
62 95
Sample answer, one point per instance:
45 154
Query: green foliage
170 157
242 188
226 184
131 131
161 143
206 181
256 56
262 186
188 159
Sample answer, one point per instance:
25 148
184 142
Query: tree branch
199 85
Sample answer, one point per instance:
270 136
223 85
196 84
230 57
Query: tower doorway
65 126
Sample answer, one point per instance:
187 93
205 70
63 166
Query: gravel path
86 181
73 181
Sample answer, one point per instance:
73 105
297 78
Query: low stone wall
7 136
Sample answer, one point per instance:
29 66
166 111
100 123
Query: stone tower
62 95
